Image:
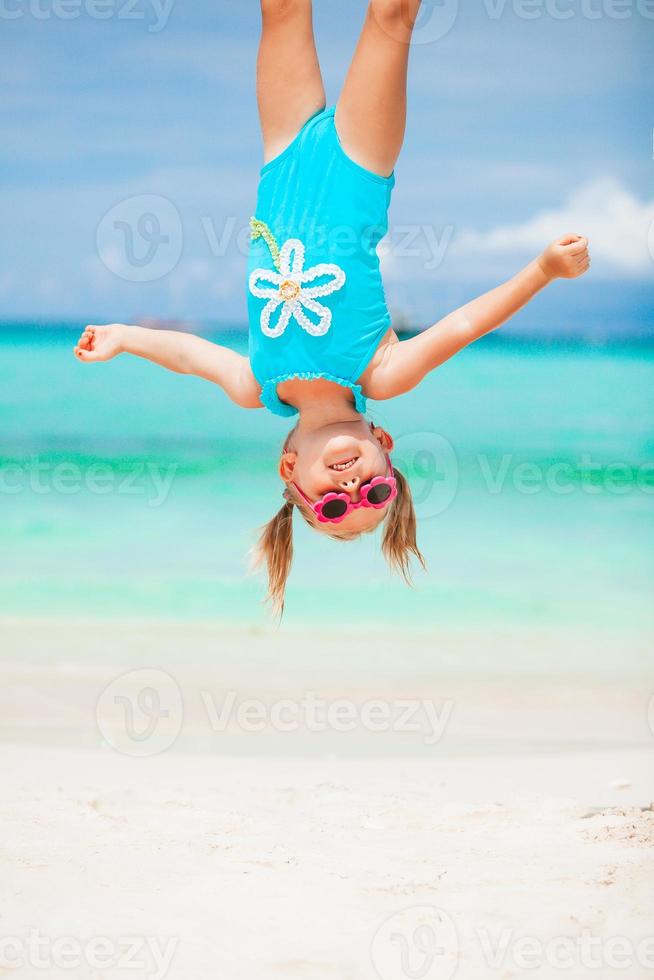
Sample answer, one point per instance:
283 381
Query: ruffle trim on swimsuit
272 401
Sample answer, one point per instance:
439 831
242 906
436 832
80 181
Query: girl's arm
180 352
406 364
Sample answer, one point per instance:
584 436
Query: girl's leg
371 111
289 83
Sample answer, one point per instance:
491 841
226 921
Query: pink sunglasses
334 507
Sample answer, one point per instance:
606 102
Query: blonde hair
275 545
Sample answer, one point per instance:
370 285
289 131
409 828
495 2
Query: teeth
344 466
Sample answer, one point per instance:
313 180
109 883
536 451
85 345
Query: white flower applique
291 286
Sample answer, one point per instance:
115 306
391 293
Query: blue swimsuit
316 302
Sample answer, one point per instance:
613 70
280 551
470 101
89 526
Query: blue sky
525 118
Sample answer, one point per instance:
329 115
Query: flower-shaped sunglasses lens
334 509
378 493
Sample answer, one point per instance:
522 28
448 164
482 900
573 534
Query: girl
320 334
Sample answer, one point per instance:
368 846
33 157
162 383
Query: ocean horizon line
530 340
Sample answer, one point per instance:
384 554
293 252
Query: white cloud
616 223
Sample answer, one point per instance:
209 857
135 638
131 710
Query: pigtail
399 539
275 549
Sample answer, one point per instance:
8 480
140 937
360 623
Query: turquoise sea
130 492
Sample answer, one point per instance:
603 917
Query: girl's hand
565 258
100 343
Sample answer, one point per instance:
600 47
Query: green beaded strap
261 230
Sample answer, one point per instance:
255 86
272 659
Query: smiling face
340 457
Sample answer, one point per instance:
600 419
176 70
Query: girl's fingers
85 355
579 246
84 347
87 338
573 243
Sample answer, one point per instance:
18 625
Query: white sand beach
516 840
271 868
